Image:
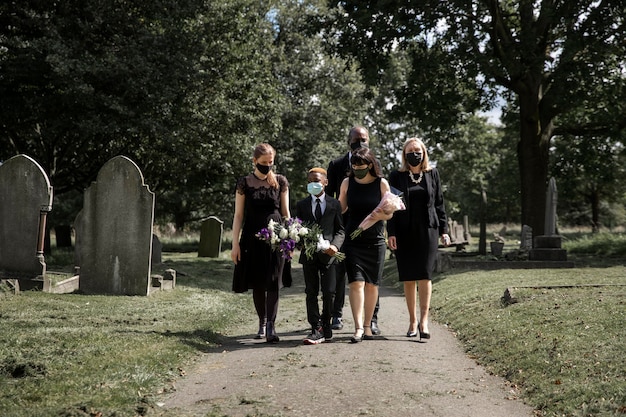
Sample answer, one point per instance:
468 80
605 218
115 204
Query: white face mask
314 188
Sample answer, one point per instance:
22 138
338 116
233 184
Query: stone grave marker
157 250
547 247
114 231
526 242
25 200
211 237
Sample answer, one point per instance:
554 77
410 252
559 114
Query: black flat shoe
369 336
270 333
422 334
261 333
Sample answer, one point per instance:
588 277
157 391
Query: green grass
79 355
75 355
563 346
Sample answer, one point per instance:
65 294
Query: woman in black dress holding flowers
360 194
260 197
414 232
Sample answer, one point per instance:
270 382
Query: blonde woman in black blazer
413 233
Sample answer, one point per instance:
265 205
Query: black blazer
331 224
338 169
436 209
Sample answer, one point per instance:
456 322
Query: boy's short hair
318 169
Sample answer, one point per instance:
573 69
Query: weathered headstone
551 200
114 231
211 237
157 250
547 247
25 200
526 242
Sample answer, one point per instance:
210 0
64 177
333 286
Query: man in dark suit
320 269
338 169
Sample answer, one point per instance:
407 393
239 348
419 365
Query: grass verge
78 355
563 346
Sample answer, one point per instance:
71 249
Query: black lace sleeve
283 184
241 186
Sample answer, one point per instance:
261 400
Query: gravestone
114 231
526 242
157 250
211 237
547 247
25 200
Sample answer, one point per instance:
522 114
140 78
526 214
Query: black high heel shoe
368 336
355 338
423 335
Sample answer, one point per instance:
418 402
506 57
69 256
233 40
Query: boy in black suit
320 269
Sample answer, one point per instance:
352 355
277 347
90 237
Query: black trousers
318 276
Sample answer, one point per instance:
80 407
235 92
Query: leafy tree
589 172
468 166
323 95
549 55
184 88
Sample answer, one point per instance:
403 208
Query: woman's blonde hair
267 149
424 165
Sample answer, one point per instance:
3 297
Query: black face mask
414 158
263 169
356 145
361 173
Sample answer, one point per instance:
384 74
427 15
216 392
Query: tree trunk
532 153
179 220
594 198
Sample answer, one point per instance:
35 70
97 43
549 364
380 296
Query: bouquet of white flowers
313 241
283 236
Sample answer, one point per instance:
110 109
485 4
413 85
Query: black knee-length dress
365 255
417 229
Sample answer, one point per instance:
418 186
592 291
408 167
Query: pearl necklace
416 181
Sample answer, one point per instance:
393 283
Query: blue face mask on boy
314 188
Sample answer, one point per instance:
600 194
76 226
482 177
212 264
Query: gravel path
390 376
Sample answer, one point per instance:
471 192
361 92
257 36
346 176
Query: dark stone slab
548 241
491 265
547 254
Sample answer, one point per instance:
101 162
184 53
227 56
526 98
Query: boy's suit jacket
331 224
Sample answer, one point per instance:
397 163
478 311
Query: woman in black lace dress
260 197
